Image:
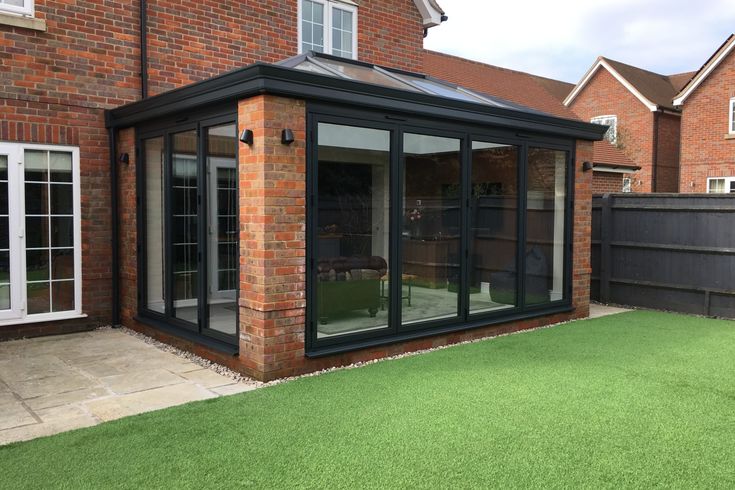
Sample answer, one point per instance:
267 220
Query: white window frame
728 185
18 313
27 10
731 117
329 5
613 127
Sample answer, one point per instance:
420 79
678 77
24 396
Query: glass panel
312 26
352 223
4 236
431 227
365 74
62 199
185 178
716 186
36 198
39 297
493 241
60 166
154 224
36 165
37 262
544 274
62 232
62 263
223 254
62 297
341 33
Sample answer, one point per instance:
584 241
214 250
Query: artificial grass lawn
637 399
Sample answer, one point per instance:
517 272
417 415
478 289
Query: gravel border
239 378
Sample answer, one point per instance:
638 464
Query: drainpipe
143 49
654 153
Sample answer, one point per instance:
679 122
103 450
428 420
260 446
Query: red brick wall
604 95
667 167
194 40
54 85
273 251
706 149
605 182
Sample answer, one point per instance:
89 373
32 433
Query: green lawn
639 399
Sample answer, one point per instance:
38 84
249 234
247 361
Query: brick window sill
24 22
730 136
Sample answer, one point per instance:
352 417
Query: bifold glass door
415 229
191 228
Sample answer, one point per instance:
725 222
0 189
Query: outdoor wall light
125 158
587 166
247 136
287 137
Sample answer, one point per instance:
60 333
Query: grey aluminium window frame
167 321
398 124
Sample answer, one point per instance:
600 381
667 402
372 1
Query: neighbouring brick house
645 124
610 164
707 103
276 209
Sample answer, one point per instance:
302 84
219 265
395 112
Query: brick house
644 123
610 164
288 192
707 103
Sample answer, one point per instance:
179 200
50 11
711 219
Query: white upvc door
11 233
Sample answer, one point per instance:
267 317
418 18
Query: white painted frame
328 6
702 76
18 313
731 117
27 10
614 127
728 183
601 63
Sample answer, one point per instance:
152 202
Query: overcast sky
561 39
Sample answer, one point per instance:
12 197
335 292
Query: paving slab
140 381
598 310
60 383
146 401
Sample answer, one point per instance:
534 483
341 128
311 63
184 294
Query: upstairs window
731 123
23 7
328 27
612 121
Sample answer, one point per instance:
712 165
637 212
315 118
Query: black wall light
247 136
587 166
287 137
125 158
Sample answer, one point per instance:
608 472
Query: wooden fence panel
665 251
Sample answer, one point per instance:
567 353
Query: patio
55 384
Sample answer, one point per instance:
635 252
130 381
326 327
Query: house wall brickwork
667 168
55 85
707 150
605 182
605 95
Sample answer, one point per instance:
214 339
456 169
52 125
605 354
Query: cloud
562 39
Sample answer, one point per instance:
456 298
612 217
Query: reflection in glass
353 228
4 236
154 223
184 226
49 231
493 227
431 228
544 274
223 249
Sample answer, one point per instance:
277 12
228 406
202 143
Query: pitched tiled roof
681 80
541 94
657 88
697 78
606 153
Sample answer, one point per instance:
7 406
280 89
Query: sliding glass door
418 229
190 241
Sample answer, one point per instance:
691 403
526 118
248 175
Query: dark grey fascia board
262 78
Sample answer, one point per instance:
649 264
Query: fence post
605 248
